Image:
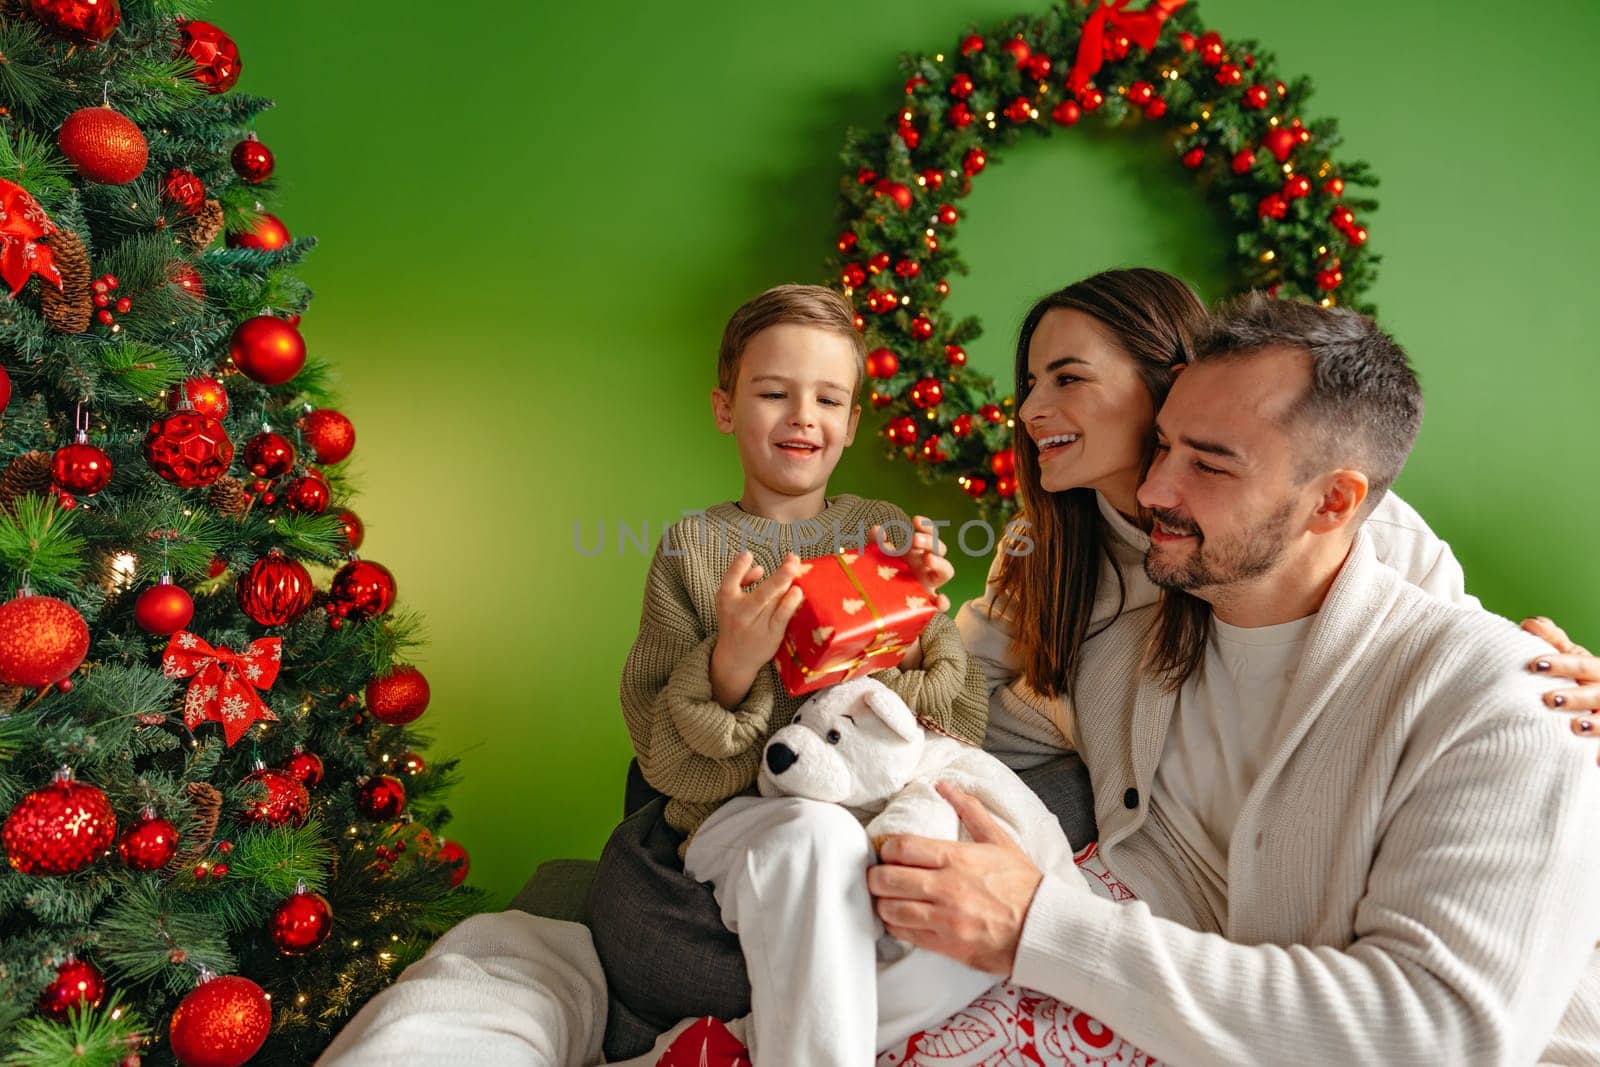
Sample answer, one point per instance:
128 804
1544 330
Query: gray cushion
558 890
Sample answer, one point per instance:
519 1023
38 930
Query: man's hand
750 623
965 900
1571 661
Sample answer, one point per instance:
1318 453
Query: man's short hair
816 306
1364 404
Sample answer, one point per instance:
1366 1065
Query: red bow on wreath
225 682
1143 28
22 223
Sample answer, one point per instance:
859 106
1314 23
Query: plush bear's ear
887 705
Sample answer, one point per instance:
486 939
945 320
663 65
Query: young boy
700 698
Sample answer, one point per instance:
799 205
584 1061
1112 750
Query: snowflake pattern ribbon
224 682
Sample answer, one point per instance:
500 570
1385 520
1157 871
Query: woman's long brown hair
1050 590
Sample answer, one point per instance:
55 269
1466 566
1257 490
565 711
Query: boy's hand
927 563
750 623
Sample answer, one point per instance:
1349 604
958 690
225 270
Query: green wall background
537 217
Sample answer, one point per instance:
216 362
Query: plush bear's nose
780 758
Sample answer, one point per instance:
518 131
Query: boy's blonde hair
802 305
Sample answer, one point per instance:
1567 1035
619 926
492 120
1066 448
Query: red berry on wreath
1273 206
309 494
399 697
104 317
252 160
948 215
1018 49
267 349
216 57
970 44
205 395
267 233
1141 93
80 467
183 190
361 589
164 608
221 1023
301 923
59 828
926 393
1194 157
1156 108
1066 113
269 455
853 276
959 116
955 355
882 363
381 797
42 640
1257 97
284 800
85 21
149 844
275 591
974 161
104 145
1243 160
354 532
188 449
1019 110
961 86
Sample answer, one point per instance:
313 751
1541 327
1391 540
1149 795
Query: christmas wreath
1231 120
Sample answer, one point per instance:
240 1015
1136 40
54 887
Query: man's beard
1240 558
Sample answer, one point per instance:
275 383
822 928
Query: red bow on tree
1143 28
225 682
22 223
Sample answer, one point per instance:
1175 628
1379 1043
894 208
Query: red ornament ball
902 431
882 301
974 161
1281 141
362 589
1091 99
1243 160
42 640
5 388
970 44
411 763
1297 186
76 984
399 697
381 797
846 242
304 767
948 215
878 263
955 355
927 392
908 268
962 426
1194 157
81 468
216 57
183 190
86 21
269 455
59 828
188 449
921 328
1018 48
1066 113
205 395
1257 97
331 436
221 1023
1329 280
452 855
163 609
252 160
975 487
896 191
1141 93
1156 108
1003 463
1273 206
959 116
149 845
853 276
882 363
104 145
302 923
354 531
961 86
267 349
285 799
266 234
309 494
1037 67
1019 110
275 591
1006 486
1230 74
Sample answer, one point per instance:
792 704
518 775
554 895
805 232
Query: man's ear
1343 493
722 410
887 705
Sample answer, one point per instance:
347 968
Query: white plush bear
858 744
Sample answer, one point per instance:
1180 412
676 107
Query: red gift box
862 610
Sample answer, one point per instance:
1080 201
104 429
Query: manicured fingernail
1583 726
1541 665
1557 700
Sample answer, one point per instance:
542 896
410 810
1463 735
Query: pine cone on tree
10 698
229 497
203 226
70 308
205 802
28 473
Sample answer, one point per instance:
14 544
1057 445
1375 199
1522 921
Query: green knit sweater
700 753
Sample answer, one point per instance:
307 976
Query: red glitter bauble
331 436
275 591
399 697
927 393
205 395
87 21
163 609
305 767
302 923
104 145
252 160
285 800
76 983
354 531
184 190
216 57
150 845
188 449
59 828
42 640
81 468
381 797
309 494
267 234
269 455
267 349
221 1023
361 590
452 855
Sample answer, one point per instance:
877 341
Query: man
1354 832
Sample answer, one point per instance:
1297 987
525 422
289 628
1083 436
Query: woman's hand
1570 661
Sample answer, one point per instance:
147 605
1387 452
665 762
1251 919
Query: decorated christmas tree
220 837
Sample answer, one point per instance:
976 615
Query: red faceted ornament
183 190
188 449
86 21
59 828
164 608
304 767
252 160
331 436
381 797
149 845
302 923
81 468
361 589
42 640
266 234
452 855
103 145
285 799
269 455
221 1023
275 591
354 532
399 697
205 395
309 494
216 57
77 984
267 349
